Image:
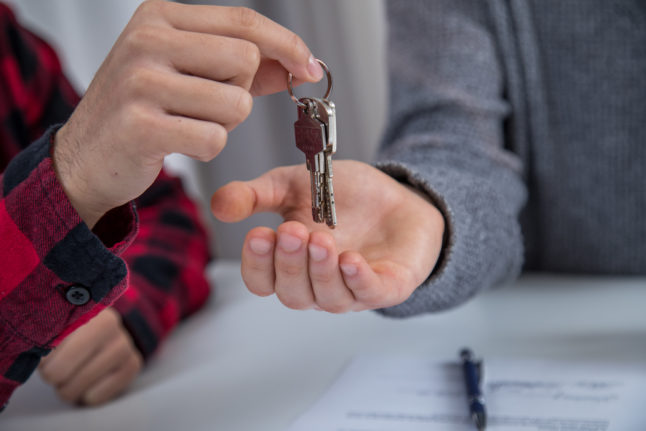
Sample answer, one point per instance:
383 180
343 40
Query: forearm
446 138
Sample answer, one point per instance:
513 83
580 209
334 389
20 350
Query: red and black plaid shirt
50 262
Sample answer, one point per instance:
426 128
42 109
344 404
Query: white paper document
415 394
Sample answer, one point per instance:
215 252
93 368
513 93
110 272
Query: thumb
238 200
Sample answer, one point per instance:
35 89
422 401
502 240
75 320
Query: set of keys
315 133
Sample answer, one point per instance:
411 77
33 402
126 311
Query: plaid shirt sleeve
166 262
47 254
55 274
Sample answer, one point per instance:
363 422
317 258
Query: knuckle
296 45
141 37
248 18
242 105
218 137
113 316
257 87
149 7
136 83
136 120
324 278
290 270
252 268
250 54
114 331
215 138
122 343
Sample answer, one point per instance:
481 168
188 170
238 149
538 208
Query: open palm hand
386 242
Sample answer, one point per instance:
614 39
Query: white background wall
347 35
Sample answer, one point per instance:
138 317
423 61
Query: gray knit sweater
525 122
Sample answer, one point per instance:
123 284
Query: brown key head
309 133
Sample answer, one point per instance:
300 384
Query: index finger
273 40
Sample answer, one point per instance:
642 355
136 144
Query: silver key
311 138
328 194
326 113
315 132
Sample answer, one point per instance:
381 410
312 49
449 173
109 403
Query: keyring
290 90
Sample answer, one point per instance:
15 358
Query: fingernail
317 253
348 269
289 243
314 68
259 245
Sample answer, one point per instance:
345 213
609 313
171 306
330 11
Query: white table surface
246 363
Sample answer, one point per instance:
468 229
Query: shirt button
77 295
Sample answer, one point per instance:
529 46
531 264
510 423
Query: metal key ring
290 90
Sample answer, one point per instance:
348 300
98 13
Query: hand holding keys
315 133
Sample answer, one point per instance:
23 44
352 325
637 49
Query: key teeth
330 218
316 216
331 221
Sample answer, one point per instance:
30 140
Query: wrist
438 233
67 169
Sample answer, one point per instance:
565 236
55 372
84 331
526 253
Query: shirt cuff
78 271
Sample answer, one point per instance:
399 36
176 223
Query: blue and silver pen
473 377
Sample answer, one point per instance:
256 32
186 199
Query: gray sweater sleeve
445 136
